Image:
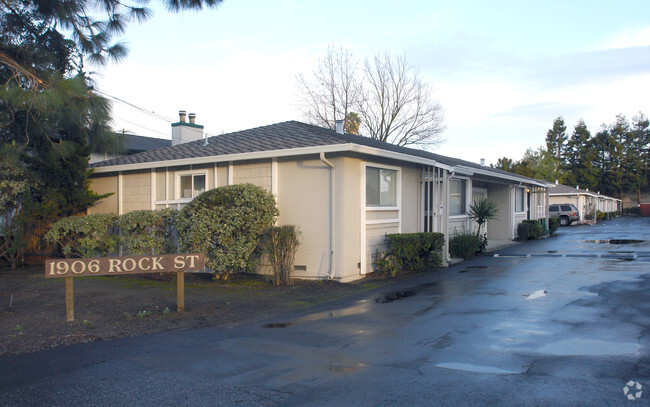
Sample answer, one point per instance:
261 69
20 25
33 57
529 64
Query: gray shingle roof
281 136
136 144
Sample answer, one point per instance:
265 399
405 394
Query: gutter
332 269
255 155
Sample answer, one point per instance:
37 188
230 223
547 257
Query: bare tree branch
387 97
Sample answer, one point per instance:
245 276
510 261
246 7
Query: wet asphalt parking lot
561 321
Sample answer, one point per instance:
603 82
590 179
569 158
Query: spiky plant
482 210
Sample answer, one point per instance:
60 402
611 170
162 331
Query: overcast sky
502 70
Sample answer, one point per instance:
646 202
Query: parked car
567 213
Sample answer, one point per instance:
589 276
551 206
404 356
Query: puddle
465 367
394 296
277 325
615 241
360 307
346 369
537 294
592 347
477 267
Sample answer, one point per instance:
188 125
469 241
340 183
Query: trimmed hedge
531 229
226 224
85 236
411 252
149 232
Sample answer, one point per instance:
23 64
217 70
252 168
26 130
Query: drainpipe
446 257
332 269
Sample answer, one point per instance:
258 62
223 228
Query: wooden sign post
116 266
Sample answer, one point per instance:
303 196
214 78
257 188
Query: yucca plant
482 210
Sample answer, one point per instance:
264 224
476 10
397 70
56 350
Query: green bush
281 244
386 263
465 245
85 236
523 231
149 232
416 251
554 224
226 223
635 210
601 215
536 230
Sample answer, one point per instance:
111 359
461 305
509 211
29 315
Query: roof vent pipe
482 162
339 126
192 118
181 114
557 181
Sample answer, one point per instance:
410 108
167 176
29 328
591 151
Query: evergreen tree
580 156
637 155
556 139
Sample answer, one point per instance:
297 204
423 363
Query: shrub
601 215
554 224
536 230
85 236
416 251
226 223
635 210
464 245
149 232
523 231
281 244
386 263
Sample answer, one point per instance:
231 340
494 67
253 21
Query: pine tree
556 139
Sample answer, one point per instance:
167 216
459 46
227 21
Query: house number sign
119 266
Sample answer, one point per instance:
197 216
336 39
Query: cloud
631 37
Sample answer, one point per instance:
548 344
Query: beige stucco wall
303 198
499 228
104 184
410 195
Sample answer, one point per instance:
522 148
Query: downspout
450 175
332 269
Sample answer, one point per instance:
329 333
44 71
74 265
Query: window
191 185
553 208
520 200
457 196
381 187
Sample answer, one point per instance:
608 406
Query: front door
479 193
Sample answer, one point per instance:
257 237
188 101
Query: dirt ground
33 316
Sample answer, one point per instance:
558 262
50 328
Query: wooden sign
115 266
119 266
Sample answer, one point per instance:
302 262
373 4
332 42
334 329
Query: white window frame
468 193
178 183
365 209
525 204
398 187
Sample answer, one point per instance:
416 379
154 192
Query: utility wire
146 128
208 133
141 109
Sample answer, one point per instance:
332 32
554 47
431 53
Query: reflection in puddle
589 347
346 369
615 241
361 307
475 368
